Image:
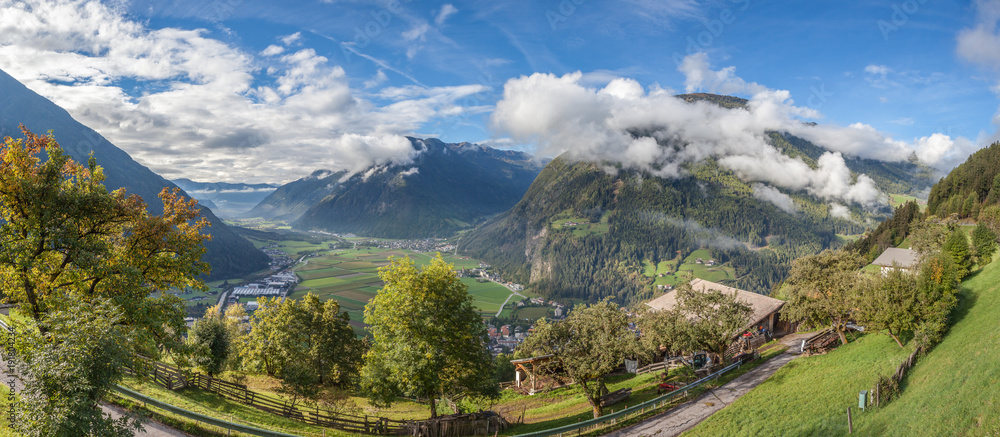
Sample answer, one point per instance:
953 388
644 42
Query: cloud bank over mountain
652 130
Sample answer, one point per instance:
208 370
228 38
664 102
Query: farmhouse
894 257
765 309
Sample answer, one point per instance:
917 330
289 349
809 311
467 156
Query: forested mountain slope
968 187
628 218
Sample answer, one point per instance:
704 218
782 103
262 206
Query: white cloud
376 80
878 76
770 194
272 50
880 70
446 11
840 211
698 76
980 45
903 121
291 39
211 114
654 131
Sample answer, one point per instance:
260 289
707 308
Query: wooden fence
484 423
173 378
887 387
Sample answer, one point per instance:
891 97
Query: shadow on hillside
966 300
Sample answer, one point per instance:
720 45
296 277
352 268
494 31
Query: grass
581 226
533 313
213 405
950 391
676 271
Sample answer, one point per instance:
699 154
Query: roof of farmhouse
762 305
903 258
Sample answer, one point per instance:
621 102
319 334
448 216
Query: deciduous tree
211 342
67 245
823 288
586 346
889 303
711 319
428 339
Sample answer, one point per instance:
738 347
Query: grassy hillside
951 391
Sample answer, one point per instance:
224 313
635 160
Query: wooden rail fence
173 378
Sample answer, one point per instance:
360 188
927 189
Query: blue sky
358 74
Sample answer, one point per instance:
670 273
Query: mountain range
229 254
446 188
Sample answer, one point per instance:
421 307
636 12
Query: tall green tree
957 245
984 244
427 338
711 319
211 341
990 216
586 346
822 289
937 287
70 367
660 331
302 341
261 349
889 303
928 237
69 245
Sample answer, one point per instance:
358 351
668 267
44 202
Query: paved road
684 417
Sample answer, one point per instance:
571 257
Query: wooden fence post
850 424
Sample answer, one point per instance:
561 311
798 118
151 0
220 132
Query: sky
267 91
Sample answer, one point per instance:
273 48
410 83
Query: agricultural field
581 226
350 276
899 199
676 271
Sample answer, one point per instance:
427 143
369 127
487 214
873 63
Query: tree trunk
840 332
894 337
434 411
594 399
598 409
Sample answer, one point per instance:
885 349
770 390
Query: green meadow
677 271
350 276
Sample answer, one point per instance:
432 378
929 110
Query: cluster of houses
505 338
483 272
426 245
